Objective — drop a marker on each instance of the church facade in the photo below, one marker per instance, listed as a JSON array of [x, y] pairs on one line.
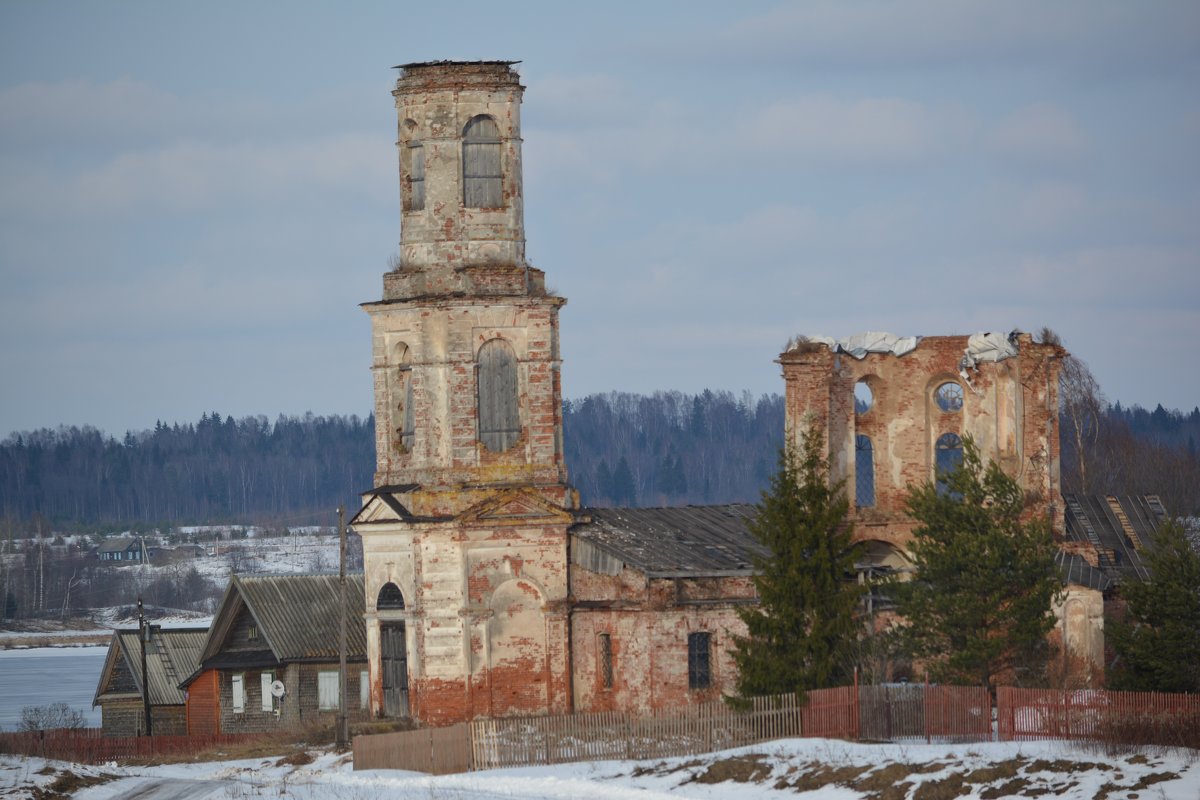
[[488, 590]]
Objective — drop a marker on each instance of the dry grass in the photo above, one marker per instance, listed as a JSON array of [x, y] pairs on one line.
[[67, 784]]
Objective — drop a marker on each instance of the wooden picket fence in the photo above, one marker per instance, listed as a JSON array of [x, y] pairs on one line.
[[899, 712], [1099, 716], [91, 746]]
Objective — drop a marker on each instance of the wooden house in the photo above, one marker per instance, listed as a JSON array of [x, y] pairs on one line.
[[278, 631], [171, 655]]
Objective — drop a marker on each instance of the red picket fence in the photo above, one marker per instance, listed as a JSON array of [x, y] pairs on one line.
[[90, 746], [1098, 715]]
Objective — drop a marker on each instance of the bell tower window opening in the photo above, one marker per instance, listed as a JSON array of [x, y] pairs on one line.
[[499, 417], [404, 420], [412, 169], [864, 472], [482, 177]]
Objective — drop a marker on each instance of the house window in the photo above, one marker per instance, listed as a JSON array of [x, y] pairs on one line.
[[699, 668], [949, 396], [364, 689], [481, 164], [606, 661], [864, 471], [327, 690], [949, 454], [238, 692], [252, 632], [268, 699], [499, 420]]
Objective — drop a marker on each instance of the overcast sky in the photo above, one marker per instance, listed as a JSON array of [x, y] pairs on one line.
[[195, 197]]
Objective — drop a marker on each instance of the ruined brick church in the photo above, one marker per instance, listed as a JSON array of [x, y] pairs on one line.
[[489, 591]]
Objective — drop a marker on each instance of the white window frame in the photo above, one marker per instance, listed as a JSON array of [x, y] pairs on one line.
[[327, 690], [238, 692]]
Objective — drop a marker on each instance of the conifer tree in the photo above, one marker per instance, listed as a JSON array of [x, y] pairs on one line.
[[1158, 645], [799, 633], [978, 605]]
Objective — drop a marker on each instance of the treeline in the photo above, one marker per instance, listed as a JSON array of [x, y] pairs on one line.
[[217, 470], [668, 448], [671, 448]]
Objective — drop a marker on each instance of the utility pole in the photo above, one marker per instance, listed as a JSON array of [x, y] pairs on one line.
[[343, 734], [143, 632]]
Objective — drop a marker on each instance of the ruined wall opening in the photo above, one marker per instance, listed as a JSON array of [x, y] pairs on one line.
[[948, 455], [864, 397], [949, 397]]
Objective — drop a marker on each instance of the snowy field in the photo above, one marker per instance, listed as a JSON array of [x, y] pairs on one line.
[[817, 769]]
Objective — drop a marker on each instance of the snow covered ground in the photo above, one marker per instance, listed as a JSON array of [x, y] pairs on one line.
[[817, 769]]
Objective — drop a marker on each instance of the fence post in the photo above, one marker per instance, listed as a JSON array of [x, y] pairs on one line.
[[856, 722]]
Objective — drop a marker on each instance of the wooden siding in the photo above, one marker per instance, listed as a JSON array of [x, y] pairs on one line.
[[203, 705]]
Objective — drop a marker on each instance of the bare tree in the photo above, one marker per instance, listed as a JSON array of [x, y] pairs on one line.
[[50, 717], [1082, 406]]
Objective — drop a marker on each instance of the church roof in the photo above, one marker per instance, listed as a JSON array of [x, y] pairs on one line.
[[1118, 527], [686, 541]]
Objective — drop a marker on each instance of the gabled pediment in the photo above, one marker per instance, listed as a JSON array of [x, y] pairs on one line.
[[516, 507], [382, 508]]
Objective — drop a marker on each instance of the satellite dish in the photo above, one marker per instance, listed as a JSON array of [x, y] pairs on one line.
[[277, 689]]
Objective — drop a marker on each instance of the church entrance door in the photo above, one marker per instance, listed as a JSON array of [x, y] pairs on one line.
[[395, 669]]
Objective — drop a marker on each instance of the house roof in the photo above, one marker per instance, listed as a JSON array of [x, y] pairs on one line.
[[172, 655], [117, 544], [687, 541], [1118, 527], [297, 616]]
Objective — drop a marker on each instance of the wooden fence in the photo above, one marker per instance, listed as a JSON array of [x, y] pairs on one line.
[[91, 746], [1098, 715], [958, 713]]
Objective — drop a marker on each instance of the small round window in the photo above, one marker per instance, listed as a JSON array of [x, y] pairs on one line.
[[949, 396], [864, 398]]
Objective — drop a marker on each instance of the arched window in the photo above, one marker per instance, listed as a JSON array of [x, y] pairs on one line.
[[499, 419], [481, 164], [403, 399], [864, 472], [412, 165], [390, 598], [949, 454]]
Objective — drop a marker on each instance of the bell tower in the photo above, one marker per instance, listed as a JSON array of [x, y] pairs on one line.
[[464, 534]]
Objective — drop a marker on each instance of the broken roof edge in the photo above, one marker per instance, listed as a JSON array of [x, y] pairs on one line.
[[450, 62], [983, 346]]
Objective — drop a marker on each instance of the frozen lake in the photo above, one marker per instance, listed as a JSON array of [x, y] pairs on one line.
[[43, 675]]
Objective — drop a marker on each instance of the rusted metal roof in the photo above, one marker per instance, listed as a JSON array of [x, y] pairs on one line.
[[668, 542], [1119, 527], [297, 615], [171, 655], [1075, 569]]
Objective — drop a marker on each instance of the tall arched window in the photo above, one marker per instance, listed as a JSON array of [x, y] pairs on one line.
[[481, 164], [403, 399], [864, 471], [948, 455], [499, 417], [390, 598]]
